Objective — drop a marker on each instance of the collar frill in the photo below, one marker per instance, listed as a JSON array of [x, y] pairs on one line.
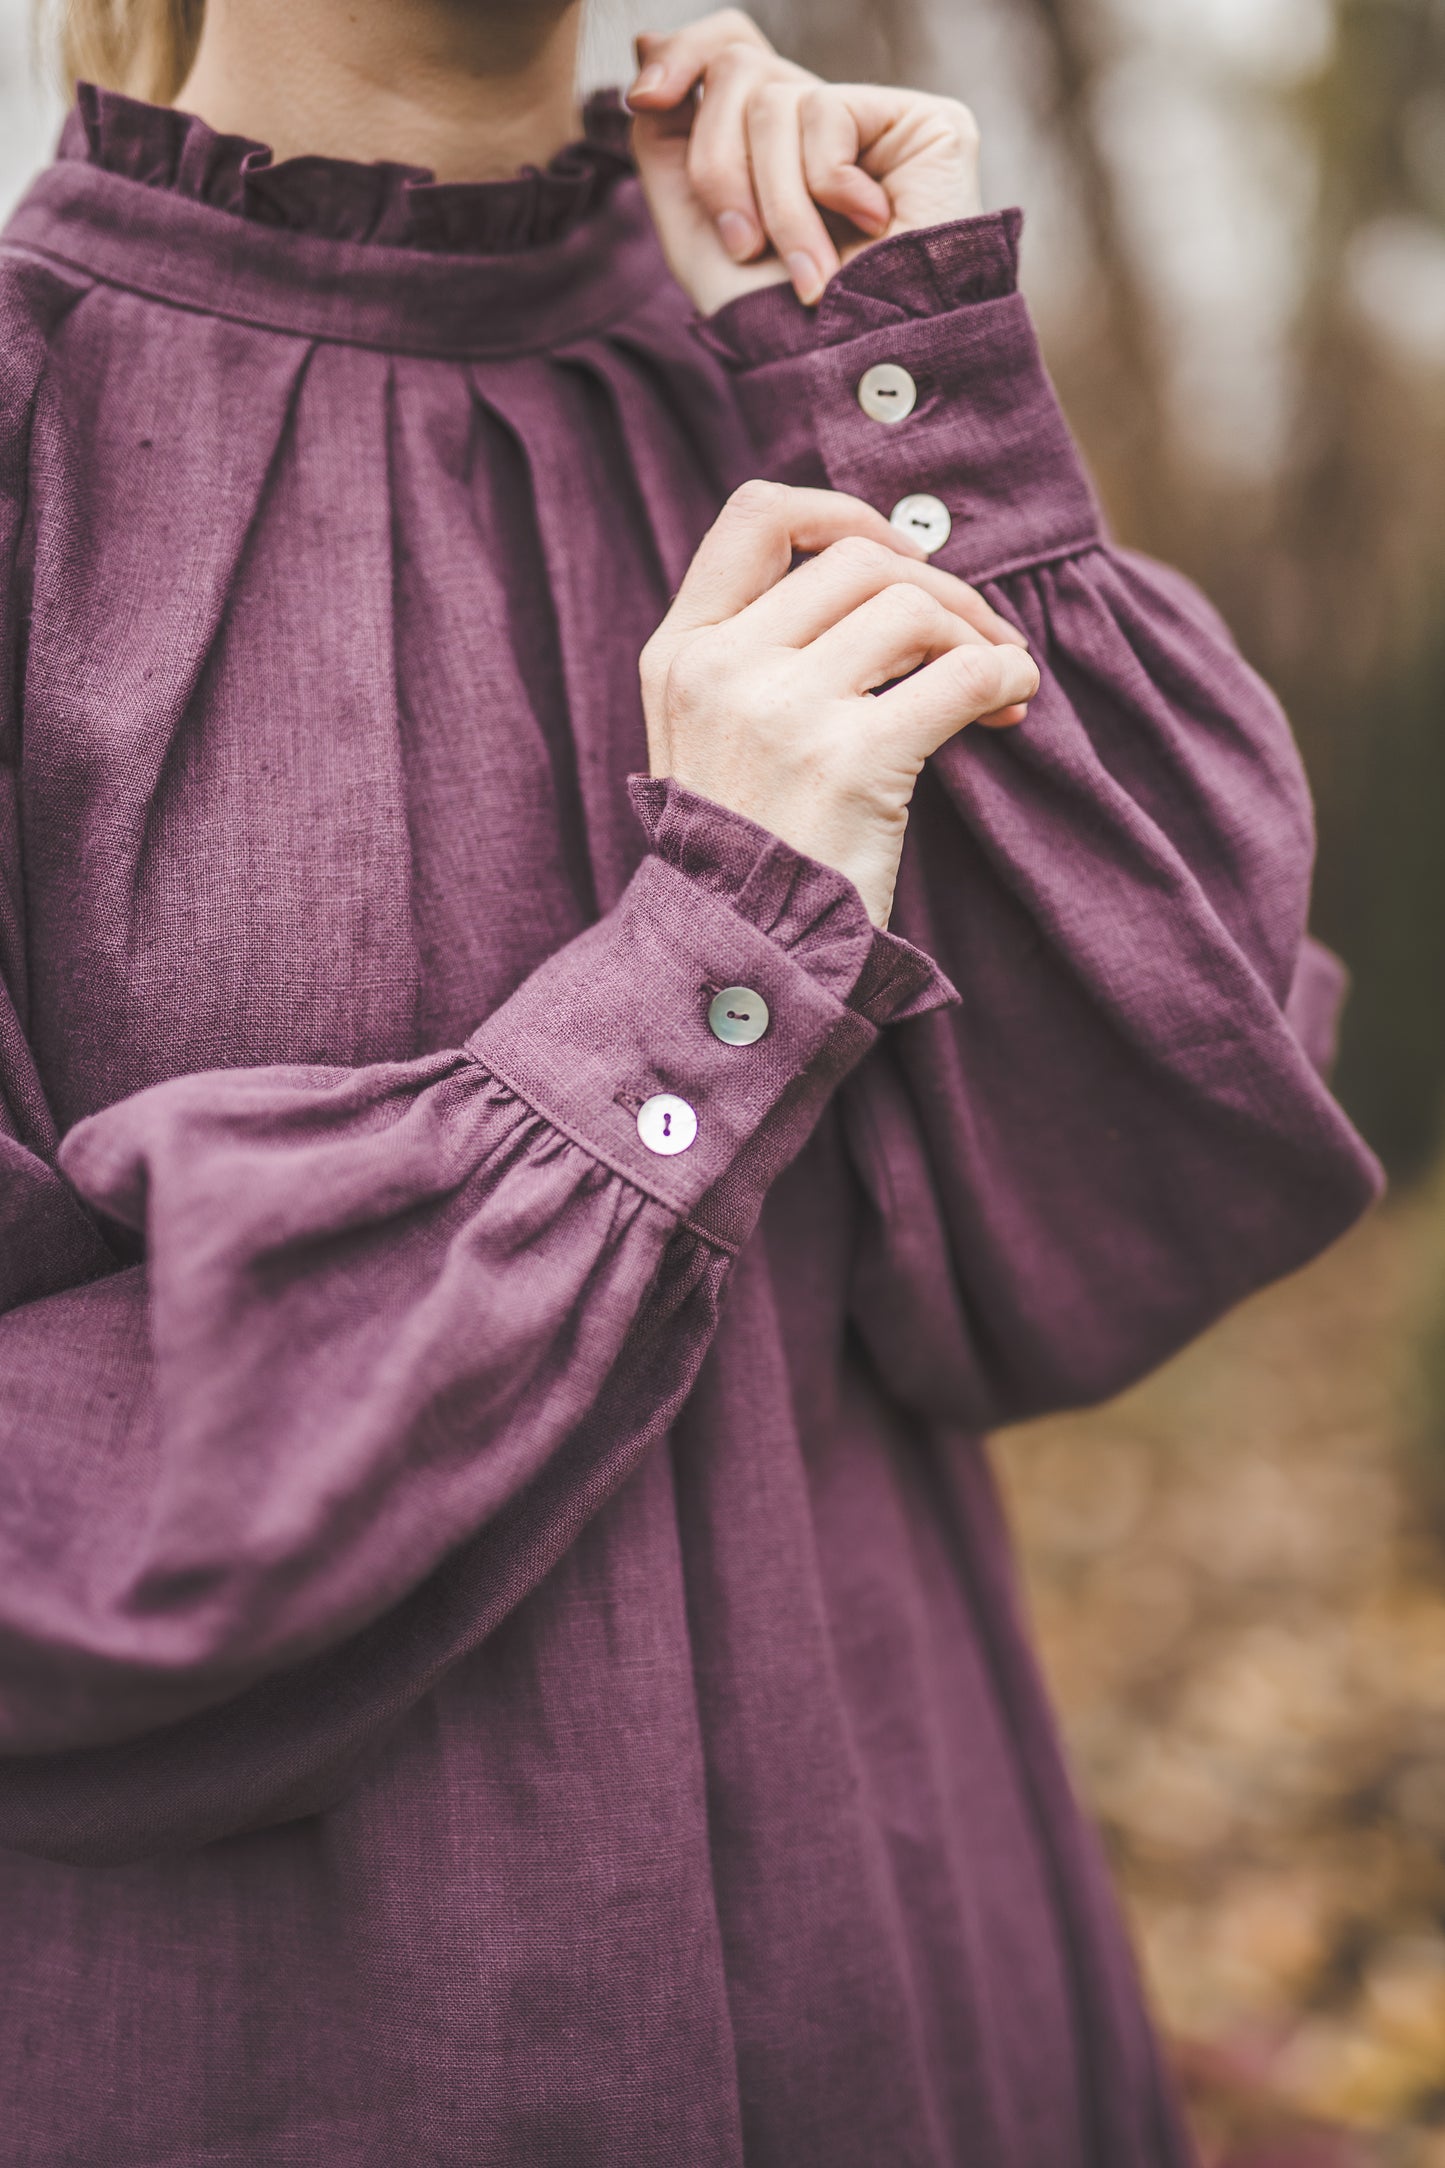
[[341, 199]]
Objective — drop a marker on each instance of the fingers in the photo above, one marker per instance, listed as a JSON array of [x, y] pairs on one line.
[[671, 64], [751, 545], [717, 158], [890, 634], [831, 143], [971, 683], [792, 219], [820, 593], [769, 144]]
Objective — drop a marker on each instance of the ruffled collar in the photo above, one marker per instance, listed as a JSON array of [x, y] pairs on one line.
[[340, 199]]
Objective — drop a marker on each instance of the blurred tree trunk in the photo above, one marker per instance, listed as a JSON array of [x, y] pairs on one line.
[[1356, 637], [1111, 379], [858, 41]]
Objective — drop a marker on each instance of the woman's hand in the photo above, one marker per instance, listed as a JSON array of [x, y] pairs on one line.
[[758, 172], [757, 684]]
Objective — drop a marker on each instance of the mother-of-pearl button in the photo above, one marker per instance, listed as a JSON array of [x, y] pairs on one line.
[[738, 1016], [886, 392], [926, 518], [666, 1123]]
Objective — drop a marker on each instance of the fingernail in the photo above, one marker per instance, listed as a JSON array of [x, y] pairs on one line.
[[739, 234], [804, 274], [651, 79]]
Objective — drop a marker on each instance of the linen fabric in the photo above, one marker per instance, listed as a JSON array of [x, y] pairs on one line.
[[508, 1650]]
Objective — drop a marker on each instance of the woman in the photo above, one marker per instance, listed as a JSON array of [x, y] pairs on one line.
[[508, 1647]]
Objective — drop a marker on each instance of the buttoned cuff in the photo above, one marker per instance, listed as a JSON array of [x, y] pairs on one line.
[[921, 274], [620, 1015], [985, 435]]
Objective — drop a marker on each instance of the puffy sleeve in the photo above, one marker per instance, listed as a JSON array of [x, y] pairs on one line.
[[1122, 1128], [285, 1350]]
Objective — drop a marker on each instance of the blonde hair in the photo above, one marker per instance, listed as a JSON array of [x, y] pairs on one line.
[[143, 47]]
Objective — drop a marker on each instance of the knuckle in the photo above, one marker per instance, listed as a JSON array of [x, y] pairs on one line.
[[757, 500], [774, 99], [978, 674], [733, 61], [689, 674], [712, 173], [653, 662], [963, 121], [859, 553], [913, 614]]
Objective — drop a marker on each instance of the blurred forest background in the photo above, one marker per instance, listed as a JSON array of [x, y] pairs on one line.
[[1236, 253]]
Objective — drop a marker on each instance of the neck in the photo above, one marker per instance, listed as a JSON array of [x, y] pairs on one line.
[[471, 89]]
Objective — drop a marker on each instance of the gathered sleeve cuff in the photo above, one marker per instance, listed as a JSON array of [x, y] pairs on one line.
[[392, 1335], [621, 1015], [985, 436]]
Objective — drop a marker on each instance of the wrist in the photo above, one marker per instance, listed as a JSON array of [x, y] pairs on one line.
[[803, 902], [817, 827]]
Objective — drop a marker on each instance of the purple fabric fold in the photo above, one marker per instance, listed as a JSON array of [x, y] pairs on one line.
[[810, 909]]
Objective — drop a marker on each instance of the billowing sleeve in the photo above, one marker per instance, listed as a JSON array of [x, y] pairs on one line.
[[1123, 1127], [278, 1344]]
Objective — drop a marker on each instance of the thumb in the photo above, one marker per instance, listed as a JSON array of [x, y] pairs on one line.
[[973, 683], [659, 144], [690, 239]]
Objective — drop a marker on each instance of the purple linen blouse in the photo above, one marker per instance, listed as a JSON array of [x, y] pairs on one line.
[[508, 1652]]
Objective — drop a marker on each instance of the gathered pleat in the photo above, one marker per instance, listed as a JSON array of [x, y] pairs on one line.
[[605, 581], [490, 774]]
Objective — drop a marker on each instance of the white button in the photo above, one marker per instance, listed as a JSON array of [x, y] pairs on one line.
[[738, 1016], [925, 518], [666, 1123], [887, 393]]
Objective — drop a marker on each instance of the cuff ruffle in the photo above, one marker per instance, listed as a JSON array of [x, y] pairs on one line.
[[809, 909], [925, 273]]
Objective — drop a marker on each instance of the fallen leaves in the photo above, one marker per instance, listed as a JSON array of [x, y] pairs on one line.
[[1238, 1578]]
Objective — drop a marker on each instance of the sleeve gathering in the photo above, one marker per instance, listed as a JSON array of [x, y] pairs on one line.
[[1122, 1127], [381, 1322]]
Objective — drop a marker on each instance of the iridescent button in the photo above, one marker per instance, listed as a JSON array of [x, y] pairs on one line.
[[666, 1124], [926, 518], [738, 1016], [886, 392]]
